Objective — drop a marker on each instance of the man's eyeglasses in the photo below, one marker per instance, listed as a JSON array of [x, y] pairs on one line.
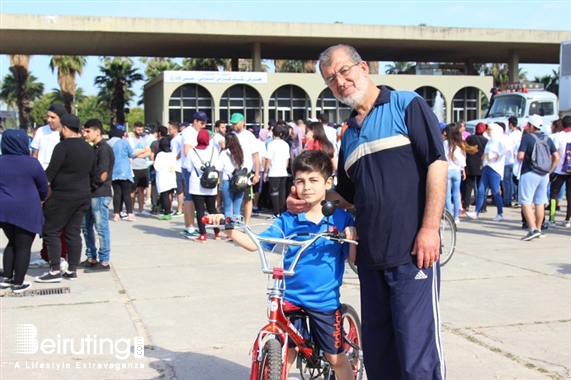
[[343, 72]]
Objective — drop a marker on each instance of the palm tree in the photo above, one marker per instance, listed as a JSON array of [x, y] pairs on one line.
[[308, 66], [205, 64], [156, 66], [550, 81], [115, 85], [59, 97], [19, 67], [67, 67], [34, 90], [399, 67]]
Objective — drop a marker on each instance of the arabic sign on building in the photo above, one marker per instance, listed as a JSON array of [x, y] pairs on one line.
[[214, 77]]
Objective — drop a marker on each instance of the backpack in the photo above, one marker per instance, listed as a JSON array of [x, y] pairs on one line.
[[566, 167], [540, 155], [240, 180], [210, 176]]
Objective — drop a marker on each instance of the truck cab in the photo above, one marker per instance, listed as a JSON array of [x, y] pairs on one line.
[[521, 101]]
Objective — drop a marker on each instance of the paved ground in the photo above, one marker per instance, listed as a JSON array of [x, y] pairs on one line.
[[506, 308]]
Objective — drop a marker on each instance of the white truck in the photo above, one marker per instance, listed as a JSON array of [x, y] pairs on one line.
[[565, 79], [521, 100]]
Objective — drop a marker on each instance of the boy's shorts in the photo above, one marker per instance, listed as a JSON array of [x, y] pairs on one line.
[[326, 327], [533, 189]]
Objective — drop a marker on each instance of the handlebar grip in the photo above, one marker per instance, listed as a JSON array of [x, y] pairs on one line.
[[341, 235], [206, 221]]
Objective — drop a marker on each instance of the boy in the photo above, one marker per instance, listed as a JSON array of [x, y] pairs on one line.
[[319, 272]]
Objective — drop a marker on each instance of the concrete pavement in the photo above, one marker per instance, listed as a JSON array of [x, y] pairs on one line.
[[505, 308]]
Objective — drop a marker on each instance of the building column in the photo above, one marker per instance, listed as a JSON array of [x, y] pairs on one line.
[[513, 66], [256, 57], [468, 66], [235, 63]]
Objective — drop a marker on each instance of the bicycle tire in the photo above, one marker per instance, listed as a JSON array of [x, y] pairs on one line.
[[353, 267], [447, 237], [352, 339], [271, 367]]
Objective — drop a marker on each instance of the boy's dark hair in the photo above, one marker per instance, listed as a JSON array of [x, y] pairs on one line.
[[94, 124], [162, 130], [513, 121], [313, 161], [279, 131], [566, 122], [138, 124]]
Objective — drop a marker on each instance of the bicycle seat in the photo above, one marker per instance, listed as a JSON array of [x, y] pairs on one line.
[[291, 310]]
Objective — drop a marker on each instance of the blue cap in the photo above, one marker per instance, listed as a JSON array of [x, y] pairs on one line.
[[442, 126], [120, 126], [200, 115]]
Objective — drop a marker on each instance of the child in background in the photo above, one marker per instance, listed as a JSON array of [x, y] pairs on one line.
[[164, 164]]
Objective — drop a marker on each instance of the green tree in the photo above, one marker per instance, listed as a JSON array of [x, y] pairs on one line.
[[135, 114], [9, 94], [550, 81], [68, 66], [156, 66], [115, 85], [205, 64], [288, 66], [91, 108], [401, 67], [20, 69], [59, 96]]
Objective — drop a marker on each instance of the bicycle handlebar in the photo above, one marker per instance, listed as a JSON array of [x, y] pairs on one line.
[[228, 223]]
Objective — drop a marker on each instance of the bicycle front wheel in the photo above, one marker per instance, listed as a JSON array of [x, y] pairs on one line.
[[447, 237], [271, 363], [352, 339]]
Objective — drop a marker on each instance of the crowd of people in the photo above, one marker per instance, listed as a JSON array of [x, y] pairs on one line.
[[394, 167]]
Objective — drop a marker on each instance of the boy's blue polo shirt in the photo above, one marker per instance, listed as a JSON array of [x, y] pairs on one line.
[[319, 272]]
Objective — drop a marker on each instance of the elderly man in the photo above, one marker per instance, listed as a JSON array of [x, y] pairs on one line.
[[392, 168]]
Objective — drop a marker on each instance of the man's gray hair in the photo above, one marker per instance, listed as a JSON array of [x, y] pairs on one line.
[[325, 57]]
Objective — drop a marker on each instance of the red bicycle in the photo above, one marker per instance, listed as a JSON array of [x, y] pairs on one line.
[[270, 349]]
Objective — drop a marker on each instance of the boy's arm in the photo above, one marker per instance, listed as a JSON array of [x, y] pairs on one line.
[[238, 237], [352, 253]]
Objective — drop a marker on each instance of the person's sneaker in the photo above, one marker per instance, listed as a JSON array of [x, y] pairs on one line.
[[201, 239], [227, 238], [524, 226], [148, 202], [271, 217], [255, 211], [531, 235], [541, 234], [49, 277], [98, 268], [131, 218], [123, 215], [6, 283], [545, 226], [176, 214], [472, 215], [72, 276], [21, 288], [143, 213], [551, 224], [41, 263], [154, 212], [86, 264], [190, 234], [457, 220], [165, 217], [566, 224], [497, 218], [217, 236]]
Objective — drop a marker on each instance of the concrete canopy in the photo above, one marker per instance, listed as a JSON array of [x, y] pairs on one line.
[[113, 36]]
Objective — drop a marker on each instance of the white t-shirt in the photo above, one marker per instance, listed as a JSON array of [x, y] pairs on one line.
[[459, 161], [165, 166], [560, 140], [189, 136], [278, 154], [176, 148], [217, 139], [331, 134], [515, 138], [44, 142], [194, 163], [261, 154], [249, 147]]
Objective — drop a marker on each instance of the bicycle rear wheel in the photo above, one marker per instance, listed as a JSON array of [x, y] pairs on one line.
[[352, 339], [447, 237], [271, 364]]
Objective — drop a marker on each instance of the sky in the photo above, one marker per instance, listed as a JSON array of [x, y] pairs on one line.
[[508, 14]]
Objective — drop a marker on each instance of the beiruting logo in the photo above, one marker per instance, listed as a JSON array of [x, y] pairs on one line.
[[28, 344]]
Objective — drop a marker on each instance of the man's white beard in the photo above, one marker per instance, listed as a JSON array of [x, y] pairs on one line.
[[356, 99]]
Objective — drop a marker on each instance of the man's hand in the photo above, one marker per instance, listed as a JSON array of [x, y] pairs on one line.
[[215, 218], [426, 247], [351, 233], [255, 179], [294, 204]]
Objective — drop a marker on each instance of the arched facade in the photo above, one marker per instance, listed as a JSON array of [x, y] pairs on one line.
[[468, 104], [244, 99], [435, 100], [327, 103], [187, 99], [289, 102]]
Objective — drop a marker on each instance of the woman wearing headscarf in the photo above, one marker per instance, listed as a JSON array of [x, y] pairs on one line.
[[165, 163], [122, 178], [203, 198], [23, 188], [493, 171]]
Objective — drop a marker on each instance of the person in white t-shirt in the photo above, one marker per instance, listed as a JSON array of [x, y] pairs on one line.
[[330, 132], [176, 144], [165, 163], [47, 137], [562, 172], [219, 133], [251, 158], [189, 139], [275, 170]]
